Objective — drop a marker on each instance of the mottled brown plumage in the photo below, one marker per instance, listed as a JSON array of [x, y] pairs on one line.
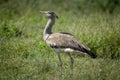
[[65, 41], [62, 41]]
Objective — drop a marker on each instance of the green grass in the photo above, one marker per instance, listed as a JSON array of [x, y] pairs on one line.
[[25, 56]]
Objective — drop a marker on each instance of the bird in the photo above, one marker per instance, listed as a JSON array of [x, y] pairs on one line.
[[62, 42]]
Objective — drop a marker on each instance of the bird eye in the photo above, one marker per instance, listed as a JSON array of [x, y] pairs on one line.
[[51, 12]]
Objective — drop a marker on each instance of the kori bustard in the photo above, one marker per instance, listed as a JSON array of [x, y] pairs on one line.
[[63, 42]]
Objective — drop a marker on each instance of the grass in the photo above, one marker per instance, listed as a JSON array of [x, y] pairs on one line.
[[25, 56]]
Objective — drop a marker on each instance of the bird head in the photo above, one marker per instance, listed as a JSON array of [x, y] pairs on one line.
[[49, 14]]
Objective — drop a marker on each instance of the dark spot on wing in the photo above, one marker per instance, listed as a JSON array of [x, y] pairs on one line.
[[65, 33]]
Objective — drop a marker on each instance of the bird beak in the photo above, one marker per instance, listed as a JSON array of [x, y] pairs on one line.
[[42, 12], [45, 12]]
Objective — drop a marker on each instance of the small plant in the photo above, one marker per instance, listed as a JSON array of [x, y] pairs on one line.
[[9, 30]]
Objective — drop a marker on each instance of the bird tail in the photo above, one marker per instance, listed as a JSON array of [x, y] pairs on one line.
[[91, 54]]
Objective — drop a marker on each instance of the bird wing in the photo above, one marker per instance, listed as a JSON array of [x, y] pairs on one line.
[[61, 40]]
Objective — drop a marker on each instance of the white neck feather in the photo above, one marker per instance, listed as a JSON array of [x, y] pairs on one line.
[[48, 28]]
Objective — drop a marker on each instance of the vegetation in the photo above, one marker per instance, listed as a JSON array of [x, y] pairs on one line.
[[25, 56]]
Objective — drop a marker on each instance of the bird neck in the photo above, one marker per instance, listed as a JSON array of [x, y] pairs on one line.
[[48, 28]]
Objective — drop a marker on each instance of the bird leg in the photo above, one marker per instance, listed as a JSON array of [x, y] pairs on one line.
[[71, 61], [60, 61]]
